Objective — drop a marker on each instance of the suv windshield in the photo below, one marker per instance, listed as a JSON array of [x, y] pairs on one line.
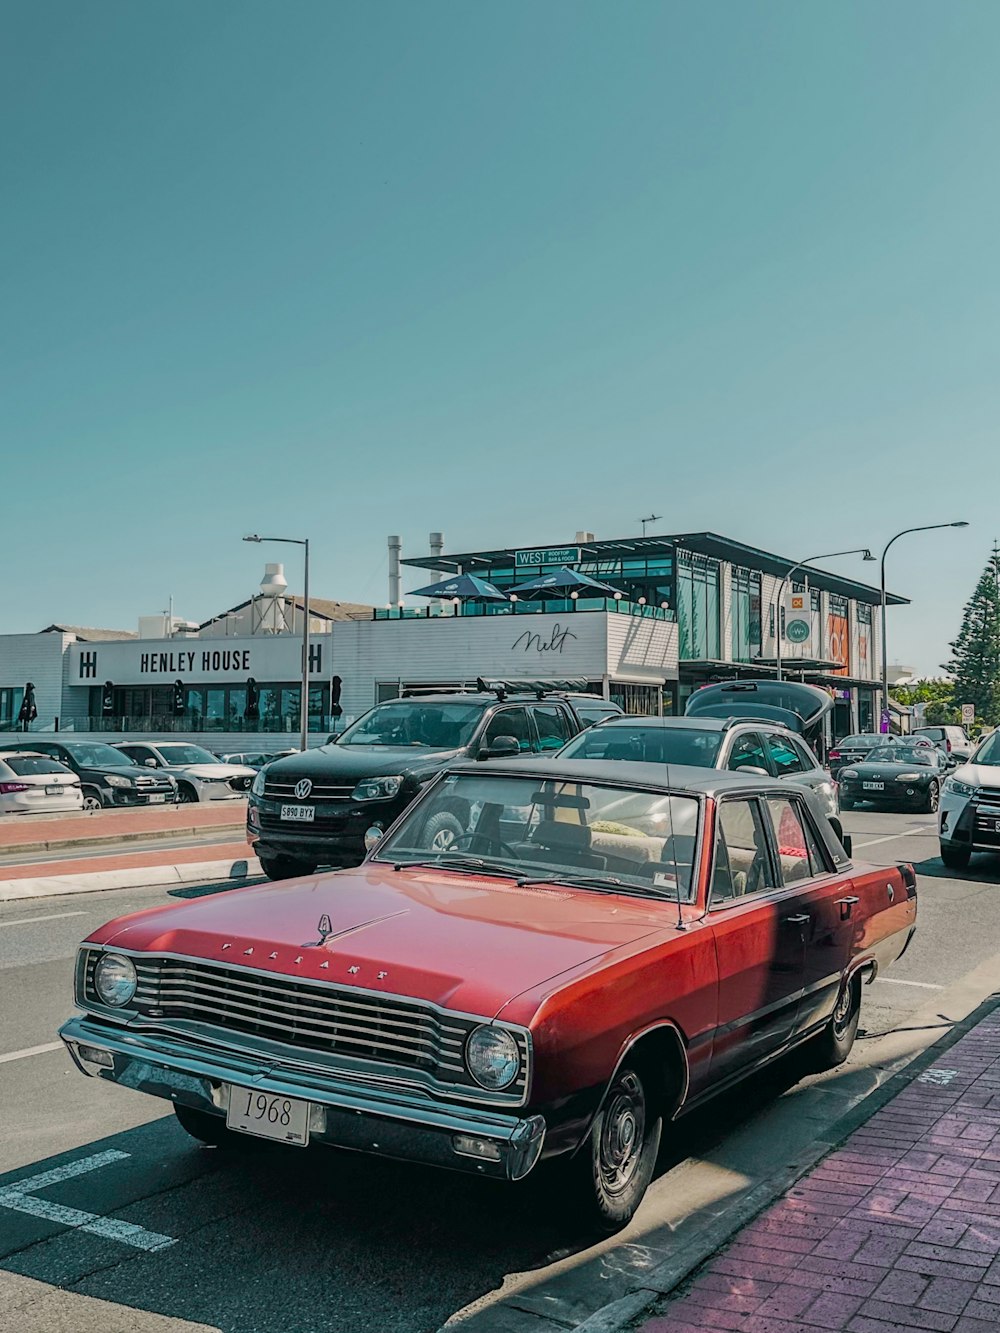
[[96, 755], [613, 838], [649, 745], [434, 726], [989, 751], [187, 754]]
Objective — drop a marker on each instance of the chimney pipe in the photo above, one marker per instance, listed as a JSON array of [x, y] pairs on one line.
[[395, 547]]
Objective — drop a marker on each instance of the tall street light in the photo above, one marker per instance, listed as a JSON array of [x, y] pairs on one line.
[[863, 551], [927, 527], [304, 703]]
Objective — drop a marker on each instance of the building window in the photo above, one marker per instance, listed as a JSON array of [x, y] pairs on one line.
[[746, 623], [698, 607]]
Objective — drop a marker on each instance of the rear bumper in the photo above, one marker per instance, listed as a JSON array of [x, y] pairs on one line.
[[358, 1116]]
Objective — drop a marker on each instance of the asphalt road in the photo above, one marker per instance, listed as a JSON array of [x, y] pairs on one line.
[[281, 1241]]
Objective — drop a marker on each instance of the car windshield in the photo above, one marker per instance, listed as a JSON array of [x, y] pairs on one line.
[[924, 755], [32, 764], [96, 755], [648, 744], [611, 838], [175, 755], [433, 726], [989, 751]]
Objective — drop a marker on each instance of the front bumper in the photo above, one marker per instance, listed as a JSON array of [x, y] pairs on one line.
[[965, 821], [118, 796], [895, 793], [364, 1117], [335, 836]]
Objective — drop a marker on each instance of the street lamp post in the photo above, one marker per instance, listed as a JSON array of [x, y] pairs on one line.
[[304, 702], [927, 527], [863, 551]]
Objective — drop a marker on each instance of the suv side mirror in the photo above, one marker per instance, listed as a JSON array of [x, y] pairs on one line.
[[757, 772], [502, 747], [150, 763]]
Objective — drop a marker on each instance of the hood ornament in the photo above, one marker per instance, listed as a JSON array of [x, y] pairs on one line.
[[325, 929]]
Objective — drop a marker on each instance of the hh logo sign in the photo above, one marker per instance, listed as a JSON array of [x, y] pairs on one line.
[[555, 642], [88, 666]]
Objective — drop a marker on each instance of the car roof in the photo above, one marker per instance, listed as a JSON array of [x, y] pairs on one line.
[[623, 772], [26, 754], [696, 723]]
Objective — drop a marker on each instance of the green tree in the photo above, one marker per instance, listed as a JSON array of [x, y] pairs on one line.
[[975, 662], [934, 691]]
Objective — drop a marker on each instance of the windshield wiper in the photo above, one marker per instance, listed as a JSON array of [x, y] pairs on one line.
[[456, 861], [600, 883]]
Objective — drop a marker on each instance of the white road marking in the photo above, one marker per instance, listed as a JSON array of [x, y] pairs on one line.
[[21, 1198], [31, 1050], [898, 981], [30, 920], [891, 837]]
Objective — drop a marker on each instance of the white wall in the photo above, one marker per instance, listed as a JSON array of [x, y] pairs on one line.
[[38, 658]]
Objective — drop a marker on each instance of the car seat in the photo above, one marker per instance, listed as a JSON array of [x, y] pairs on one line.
[[565, 844]]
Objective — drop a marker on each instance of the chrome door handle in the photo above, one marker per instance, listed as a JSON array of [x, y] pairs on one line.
[[796, 920], [850, 901]]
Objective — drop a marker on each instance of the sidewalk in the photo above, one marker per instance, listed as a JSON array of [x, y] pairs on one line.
[[896, 1231]]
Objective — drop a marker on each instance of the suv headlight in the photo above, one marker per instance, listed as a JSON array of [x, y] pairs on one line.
[[257, 786], [115, 979], [376, 789], [958, 788], [115, 781], [492, 1058]]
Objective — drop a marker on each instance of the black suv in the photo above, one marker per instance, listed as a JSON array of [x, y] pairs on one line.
[[314, 808], [107, 777]]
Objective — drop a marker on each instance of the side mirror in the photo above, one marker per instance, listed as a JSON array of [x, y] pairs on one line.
[[757, 772], [373, 836], [150, 763], [501, 748]]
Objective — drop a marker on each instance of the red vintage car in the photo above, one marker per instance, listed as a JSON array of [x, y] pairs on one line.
[[603, 948]]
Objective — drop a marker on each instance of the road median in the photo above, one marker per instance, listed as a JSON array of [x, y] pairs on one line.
[[43, 833], [94, 874]]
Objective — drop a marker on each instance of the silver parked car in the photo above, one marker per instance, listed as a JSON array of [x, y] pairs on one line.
[[34, 784], [199, 774], [741, 745]]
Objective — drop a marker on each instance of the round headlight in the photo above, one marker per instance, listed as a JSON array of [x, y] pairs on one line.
[[114, 979], [492, 1058]]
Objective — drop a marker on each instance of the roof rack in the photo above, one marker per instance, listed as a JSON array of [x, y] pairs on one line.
[[748, 717]]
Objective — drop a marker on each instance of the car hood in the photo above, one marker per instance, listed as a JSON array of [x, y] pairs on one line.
[[331, 762], [977, 775], [890, 768], [464, 942]]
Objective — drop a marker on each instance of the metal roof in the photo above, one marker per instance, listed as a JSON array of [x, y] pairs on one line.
[[701, 543]]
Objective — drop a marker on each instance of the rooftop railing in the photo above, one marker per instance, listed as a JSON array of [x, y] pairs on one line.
[[560, 606]]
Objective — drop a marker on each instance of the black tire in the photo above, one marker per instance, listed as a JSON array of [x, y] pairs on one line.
[[205, 1128], [610, 1173], [955, 856], [441, 830], [285, 867], [931, 801], [92, 799], [833, 1045], [186, 794]]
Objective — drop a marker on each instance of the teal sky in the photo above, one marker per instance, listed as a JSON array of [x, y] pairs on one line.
[[505, 270]]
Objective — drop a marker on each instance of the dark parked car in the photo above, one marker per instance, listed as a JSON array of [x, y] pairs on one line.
[[315, 807], [896, 777], [852, 749], [108, 777]]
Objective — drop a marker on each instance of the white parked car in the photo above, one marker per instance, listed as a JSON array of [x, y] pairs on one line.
[[199, 774], [969, 813], [34, 784]]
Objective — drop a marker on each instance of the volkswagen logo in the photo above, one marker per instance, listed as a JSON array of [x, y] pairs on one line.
[[303, 787]]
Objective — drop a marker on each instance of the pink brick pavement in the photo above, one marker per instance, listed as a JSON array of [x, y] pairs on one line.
[[897, 1231]]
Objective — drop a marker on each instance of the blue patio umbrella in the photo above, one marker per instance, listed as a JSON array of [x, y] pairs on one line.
[[562, 583], [466, 587]]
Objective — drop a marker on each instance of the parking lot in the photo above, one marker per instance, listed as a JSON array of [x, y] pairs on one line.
[[111, 1217]]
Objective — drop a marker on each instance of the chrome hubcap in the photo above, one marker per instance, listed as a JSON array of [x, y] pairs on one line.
[[442, 840], [622, 1132], [843, 1010]]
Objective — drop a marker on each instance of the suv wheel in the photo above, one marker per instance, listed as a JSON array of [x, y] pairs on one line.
[[186, 794], [284, 867], [92, 799], [955, 856], [441, 830]]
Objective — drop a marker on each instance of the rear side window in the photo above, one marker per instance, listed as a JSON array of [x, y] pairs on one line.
[[783, 754], [747, 752], [798, 850], [552, 726], [26, 767]]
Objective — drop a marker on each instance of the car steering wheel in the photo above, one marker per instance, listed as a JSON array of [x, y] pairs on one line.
[[469, 838]]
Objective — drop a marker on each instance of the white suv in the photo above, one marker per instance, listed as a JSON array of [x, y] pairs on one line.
[[969, 814]]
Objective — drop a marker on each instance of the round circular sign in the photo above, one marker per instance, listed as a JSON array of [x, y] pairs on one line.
[[797, 631]]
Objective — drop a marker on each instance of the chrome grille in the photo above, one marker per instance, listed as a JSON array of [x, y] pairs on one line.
[[283, 789], [385, 1031]]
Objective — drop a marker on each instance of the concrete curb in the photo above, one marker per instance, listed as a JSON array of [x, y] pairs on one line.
[[622, 1314], [56, 886]]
